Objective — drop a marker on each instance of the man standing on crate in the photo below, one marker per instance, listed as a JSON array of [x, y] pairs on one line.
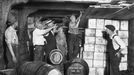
[[73, 40], [114, 47]]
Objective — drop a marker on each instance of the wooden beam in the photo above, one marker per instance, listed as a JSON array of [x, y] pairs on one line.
[[54, 13], [122, 12], [83, 20], [48, 15], [101, 12], [19, 1], [23, 35], [131, 46], [115, 1], [57, 5], [126, 14], [129, 16], [77, 1]]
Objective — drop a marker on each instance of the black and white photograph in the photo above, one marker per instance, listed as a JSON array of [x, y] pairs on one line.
[[66, 37]]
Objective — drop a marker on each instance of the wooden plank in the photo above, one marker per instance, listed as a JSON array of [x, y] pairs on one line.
[[82, 1], [57, 5], [23, 35], [131, 45], [84, 20], [101, 12], [128, 14], [19, 1], [54, 13], [3, 14], [120, 14]]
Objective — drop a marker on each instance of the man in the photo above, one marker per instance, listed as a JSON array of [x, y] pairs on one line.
[[51, 40], [114, 46], [11, 39], [38, 39], [73, 37]]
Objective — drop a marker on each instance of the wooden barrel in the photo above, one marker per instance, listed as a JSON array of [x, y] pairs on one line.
[[38, 68], [78, 67], [56, 56], [48, 70]]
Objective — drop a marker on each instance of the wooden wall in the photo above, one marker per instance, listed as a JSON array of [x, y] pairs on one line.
[[5, 6], [131, 46]]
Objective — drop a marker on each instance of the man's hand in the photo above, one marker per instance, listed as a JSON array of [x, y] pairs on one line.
[[81, 12], [14, 59], [117, 54], [44, 53], [55, 26]]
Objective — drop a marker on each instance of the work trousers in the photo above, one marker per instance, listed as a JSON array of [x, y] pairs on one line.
[[113, 59], [73, 46], [38, 52], [10, 63], [114, 66]]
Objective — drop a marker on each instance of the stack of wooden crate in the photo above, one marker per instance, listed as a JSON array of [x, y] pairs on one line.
[[95, 44]]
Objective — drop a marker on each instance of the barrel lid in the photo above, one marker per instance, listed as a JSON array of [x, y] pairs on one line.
[[79, 63], [56, 56]]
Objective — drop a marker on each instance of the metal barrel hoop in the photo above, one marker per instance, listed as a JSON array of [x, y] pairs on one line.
[[56, 56], [78, 67]]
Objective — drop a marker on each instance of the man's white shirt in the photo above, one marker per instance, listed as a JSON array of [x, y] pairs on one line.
[[38, 38], [11, 35], [117, 42]]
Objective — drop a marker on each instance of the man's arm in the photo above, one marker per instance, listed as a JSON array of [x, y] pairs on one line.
[[45, 31], [120, 42], [11, 51], [122, 45], [55, 29], [78, 20], [79, 16]]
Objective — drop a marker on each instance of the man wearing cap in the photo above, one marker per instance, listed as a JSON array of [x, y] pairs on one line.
[[38, 39], [11, 40], [51, 40], [114, 47]]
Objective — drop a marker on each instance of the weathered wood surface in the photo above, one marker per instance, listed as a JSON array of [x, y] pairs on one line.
[[70, 6], [23, 34], [131, 46]]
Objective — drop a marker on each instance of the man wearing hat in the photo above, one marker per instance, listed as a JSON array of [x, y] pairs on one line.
[[38, 39], [114, 47], [51, 40]]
